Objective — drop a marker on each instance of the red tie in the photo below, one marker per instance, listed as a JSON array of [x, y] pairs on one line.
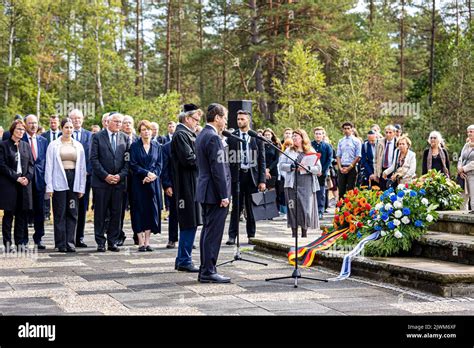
[[33, 148]]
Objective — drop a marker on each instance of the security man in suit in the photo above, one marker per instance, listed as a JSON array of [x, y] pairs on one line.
[[213, 191], [249, 170], [368, 157], [85, 138], [110, 162], [38, 146]]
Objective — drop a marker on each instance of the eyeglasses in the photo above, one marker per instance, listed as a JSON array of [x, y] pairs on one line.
[[21, 129], [433, 138], [195, 119]]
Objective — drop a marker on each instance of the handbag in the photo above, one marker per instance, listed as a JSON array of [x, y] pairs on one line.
[[264, 205], [460, 181]]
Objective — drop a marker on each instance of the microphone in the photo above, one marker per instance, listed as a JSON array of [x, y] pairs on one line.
[[228, 134], [254, 134]]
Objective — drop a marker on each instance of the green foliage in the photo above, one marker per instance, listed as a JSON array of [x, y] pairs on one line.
[[301, 91]]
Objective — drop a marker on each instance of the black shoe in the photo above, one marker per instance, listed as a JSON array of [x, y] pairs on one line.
[[171, 245], [113, 248], [149, 248], [31, 225], [62, 250], [189, 268], [101, 248], [194, 247], [81, 244], [230, 241], [135, 239], [121, 241], [214, 278], [40, 246], [70, 250], [142, 248]]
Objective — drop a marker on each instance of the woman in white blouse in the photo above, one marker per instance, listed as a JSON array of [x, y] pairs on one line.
[[65, 178], [403, 167], [306, 201]]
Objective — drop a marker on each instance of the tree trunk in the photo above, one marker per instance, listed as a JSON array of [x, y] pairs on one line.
[[201, 47], [371, 14], [178, 44], [259, 86], [168, 48], [142, 39], [137, 48], [11, 41], [38, 94], [98, 72], [402, 44], [432, 49], [288, 20], [224, 44], [469, 8]]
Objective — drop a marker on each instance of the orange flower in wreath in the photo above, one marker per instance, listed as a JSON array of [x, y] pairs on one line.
[[352, 228], [349, 205], [349, 219], [341, 219], [362, 202], [356, 211]]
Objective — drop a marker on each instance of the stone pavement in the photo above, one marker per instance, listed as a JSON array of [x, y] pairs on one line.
[[133, 283]]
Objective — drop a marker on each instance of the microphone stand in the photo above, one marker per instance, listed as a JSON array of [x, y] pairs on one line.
[[296, 272], [238, 255]]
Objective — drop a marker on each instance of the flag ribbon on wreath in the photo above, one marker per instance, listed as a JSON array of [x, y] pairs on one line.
[[322, 243]]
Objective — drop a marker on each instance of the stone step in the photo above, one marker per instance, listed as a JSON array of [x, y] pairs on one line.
[[457, 222], [457, 248], [443, 278]]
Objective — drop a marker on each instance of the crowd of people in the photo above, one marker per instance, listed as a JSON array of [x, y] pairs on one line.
[[184, 173]]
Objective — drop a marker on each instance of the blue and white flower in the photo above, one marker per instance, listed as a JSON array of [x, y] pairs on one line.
[[396, 222], [397, 205], [429, 217], [398, 234], [425, 201], [406, 220], [398, 214]]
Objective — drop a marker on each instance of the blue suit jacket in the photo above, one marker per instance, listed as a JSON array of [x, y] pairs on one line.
[[40, 163], [86, 141], [367, 160], [214, 180], [326, 155]]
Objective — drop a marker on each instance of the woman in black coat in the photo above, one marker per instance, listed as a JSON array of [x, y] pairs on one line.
[[146, 164], [271, 158], [16, 175]]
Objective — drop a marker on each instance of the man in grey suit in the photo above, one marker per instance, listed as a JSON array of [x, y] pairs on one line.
[[110, 162], [213, 191]]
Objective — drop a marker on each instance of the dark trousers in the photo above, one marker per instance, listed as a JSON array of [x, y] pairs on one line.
[[107, 199], [211, 236], [173, 221], [247, 187], [20, 232], [47, 209], [82, 212], [185, 248], [321, 194], [65, 212], [38, 213], [346, 182], [382, 181]]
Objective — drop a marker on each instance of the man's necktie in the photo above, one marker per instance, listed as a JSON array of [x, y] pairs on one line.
[[33, 150], [244, 149], [54, 135], [76, 136], [114, 144], [385, 161]]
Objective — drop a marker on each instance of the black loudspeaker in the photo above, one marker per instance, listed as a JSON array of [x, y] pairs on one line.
[[234, 106]]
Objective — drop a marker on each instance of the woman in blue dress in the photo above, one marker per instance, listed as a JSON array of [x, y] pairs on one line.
[[146, 165]]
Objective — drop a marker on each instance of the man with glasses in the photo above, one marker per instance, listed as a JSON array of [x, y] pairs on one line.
[[110, 162], [38, 146], [347, 155], [384, 155], [181, 187]]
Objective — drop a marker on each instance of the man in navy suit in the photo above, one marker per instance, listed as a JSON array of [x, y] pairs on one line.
[[54, 131], [109, 156], [38, 146], [213, 191], [367, 157], [85, 138], [171, 130], [325, 150]]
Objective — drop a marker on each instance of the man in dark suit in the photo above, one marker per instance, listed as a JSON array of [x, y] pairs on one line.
[[109, 156], [54, 131], [213, 191], [85, 138], [38, 146], [171, 130], [325, 150], [168, 187], [249, 170], [367, 157]]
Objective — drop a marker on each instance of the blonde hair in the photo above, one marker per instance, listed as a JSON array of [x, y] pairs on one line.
[[407, 139], [306, 144], [288, 143]]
